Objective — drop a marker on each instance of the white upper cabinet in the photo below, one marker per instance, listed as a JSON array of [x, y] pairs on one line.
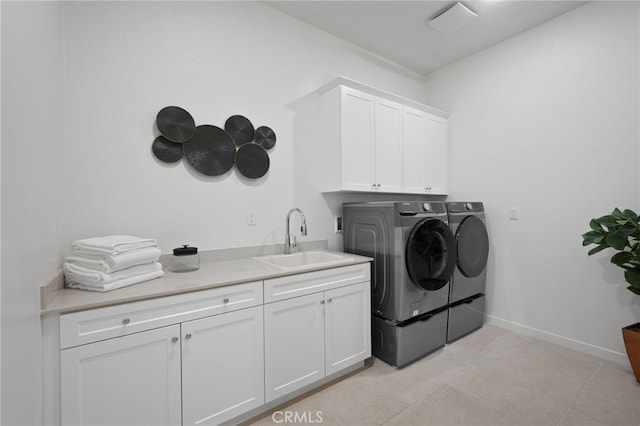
[[425, 152], [361, 139], [371, 142], [388, 146], [358, 149]]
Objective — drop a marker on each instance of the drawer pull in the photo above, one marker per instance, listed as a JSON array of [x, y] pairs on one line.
[[187, 336], [225, 300], [126, 321], [174, 340]]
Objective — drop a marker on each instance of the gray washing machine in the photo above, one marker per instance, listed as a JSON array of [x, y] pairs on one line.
[[414, 257], [466, 293]]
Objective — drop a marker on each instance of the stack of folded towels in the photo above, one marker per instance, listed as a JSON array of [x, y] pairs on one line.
[[111, 262]]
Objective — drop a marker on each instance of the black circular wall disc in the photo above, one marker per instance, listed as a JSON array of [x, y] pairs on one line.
[[165, 150], [211, 151], [252, 160], [240, 129], [175, 124], [265, 137]]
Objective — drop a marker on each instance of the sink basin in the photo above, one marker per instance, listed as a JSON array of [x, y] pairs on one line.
[[303, 259]]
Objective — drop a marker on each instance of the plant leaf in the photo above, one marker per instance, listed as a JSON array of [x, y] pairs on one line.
[[634, 290], [622, 257], [632, 277], [608, 221], [631, 215], [617, 240], [592, 237], [597, 249], [595, 225]]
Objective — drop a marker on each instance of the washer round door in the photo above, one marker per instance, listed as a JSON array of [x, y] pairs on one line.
[[430, 255], [472, 246]]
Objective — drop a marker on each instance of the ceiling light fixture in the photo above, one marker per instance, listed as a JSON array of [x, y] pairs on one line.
[[452, 18]]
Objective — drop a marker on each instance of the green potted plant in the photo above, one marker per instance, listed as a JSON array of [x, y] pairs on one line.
[[620, 231]]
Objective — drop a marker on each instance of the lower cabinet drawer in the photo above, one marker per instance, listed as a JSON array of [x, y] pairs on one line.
[[79, 328], [313, 282]]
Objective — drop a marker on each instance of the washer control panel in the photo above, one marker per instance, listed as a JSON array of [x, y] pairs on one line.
[[410, 208]]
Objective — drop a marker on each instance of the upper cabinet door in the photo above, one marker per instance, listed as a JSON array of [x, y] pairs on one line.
[[425, 152], [357, 137], [388, 146], [436, 154], [415, 150]]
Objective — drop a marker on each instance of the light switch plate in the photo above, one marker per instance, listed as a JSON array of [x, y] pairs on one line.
[[251, 217], [513, 213]]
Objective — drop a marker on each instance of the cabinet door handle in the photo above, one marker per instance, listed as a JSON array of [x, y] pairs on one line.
[[174, 340], [225, 300], [126, 321], [187, 336], [329, 300], [322, 302]]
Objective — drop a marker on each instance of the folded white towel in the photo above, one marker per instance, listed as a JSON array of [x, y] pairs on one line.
[[112, 244], [116, 262], [117, 284], [92, 277]]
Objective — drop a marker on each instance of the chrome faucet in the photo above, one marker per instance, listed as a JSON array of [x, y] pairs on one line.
[[289, 246]]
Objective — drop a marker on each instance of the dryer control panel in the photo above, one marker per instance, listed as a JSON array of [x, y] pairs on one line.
[[458, 207]]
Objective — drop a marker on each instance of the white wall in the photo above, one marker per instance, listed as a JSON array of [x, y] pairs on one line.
[[547, 121], [127, 60], [82, 84], [32, 187]]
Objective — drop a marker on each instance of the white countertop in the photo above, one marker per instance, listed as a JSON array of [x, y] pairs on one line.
[[212, 273]]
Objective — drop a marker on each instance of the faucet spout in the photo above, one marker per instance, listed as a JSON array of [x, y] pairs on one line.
[[290, 245]]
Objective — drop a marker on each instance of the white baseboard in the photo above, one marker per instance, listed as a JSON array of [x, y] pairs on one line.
[[619, 358]]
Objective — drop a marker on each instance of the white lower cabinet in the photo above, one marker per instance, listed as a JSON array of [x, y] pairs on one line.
[[131, 380], [222, 366], [347, 324], [313, 336], [294, 350], [226, 354]]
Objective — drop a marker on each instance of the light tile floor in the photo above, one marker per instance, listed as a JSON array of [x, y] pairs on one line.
[[490, 377]]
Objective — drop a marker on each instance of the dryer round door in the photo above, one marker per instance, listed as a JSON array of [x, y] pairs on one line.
[[430, 255], [472, 243]]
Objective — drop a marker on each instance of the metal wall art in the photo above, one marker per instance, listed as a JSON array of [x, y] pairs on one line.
[[211, 150]]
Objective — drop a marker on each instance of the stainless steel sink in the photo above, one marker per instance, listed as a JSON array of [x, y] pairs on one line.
[[304, 259]]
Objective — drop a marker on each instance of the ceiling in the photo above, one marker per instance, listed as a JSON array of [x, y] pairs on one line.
[[397, 30]]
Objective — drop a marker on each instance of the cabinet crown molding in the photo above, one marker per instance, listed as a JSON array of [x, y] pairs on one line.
[[345, 81]]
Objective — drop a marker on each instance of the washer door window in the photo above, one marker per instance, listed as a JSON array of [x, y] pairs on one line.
[[472, 246], [430, 254]]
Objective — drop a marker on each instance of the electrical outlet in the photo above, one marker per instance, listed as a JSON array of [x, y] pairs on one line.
[[251, 217]]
